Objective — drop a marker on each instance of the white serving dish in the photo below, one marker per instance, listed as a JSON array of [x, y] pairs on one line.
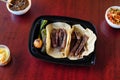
[[108, 21], [21, 12]]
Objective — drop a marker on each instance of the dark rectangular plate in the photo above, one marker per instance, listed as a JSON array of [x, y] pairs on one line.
[[87, 60]]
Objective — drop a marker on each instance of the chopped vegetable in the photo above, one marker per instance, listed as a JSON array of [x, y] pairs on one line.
[[114, 16], [43, 24]]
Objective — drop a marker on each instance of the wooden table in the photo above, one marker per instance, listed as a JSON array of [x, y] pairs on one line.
[[14, 32]]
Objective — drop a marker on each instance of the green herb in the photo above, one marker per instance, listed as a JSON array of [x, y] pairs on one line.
[[43, 24], [43, 34]]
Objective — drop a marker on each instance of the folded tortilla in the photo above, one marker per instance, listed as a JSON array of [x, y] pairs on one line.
[[89, 46], [56, 52]]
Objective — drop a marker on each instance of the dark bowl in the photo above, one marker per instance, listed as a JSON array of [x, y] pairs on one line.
[[85, 61]]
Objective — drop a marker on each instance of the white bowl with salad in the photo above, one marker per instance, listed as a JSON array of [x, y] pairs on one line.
[[112, 16]]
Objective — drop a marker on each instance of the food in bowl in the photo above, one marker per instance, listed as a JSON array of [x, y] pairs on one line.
[[4, 55], [112, 16], [19, 7], [66, 41]]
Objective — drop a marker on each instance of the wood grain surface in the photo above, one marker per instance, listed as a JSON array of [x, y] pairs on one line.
[[14, 32]]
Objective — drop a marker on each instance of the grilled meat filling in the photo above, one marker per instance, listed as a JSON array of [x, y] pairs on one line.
[[77, 43], [72, 52], [64, 39], [61, 34], [82, 44], [58, 38], [54, 38], [73, 40]]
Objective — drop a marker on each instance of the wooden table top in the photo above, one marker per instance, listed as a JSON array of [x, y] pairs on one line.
[[14, 32]]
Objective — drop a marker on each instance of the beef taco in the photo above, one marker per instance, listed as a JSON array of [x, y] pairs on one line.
[[82, 42], [58, 39]]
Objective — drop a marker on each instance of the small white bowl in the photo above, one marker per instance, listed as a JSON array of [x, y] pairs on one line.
[[20, 12], [108, 21], [4, 55]]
